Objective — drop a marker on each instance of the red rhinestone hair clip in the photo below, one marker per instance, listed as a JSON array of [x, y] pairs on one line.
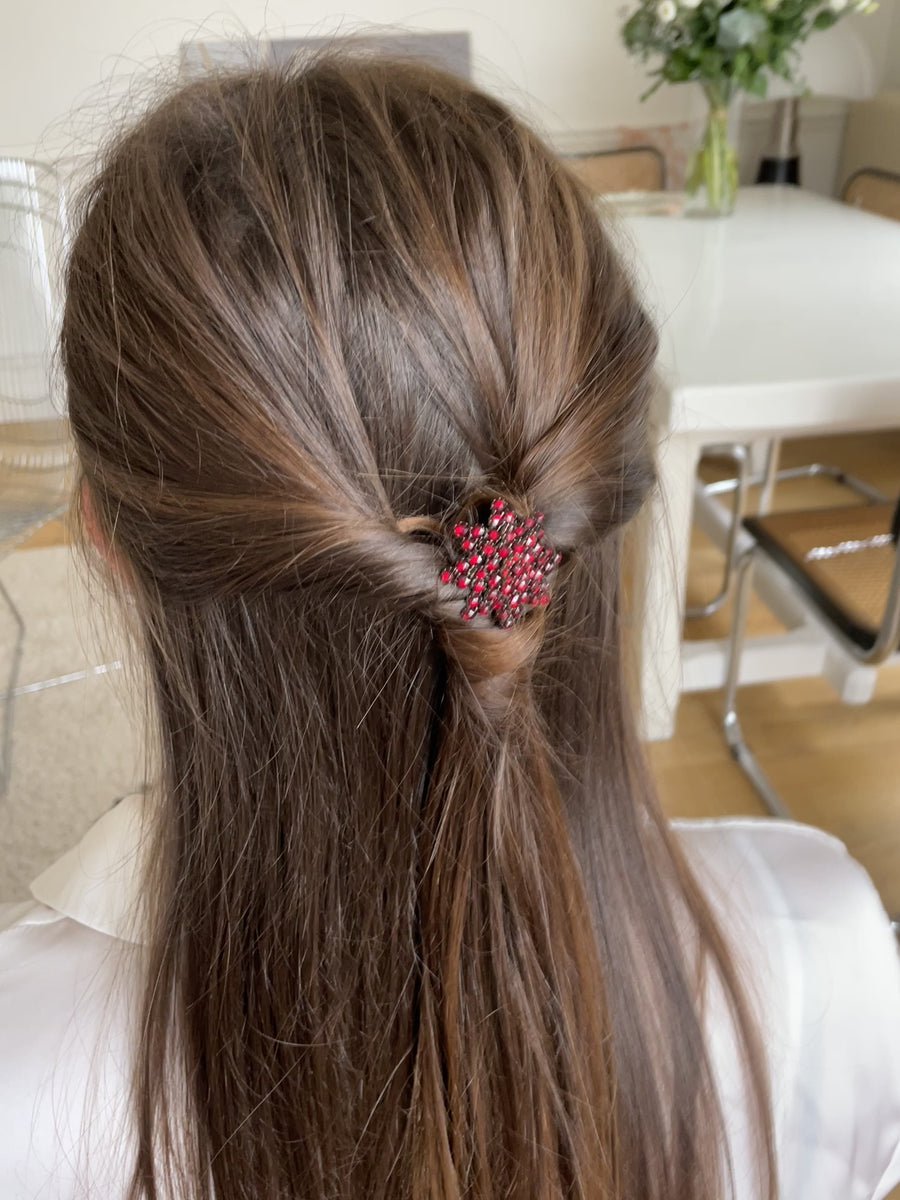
[[503, 564]]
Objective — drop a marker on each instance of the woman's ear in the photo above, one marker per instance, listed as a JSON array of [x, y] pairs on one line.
[[97, 537]]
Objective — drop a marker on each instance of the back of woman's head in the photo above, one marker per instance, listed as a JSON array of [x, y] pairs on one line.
[[417, 918]]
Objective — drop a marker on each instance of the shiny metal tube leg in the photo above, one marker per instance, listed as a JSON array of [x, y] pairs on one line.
[[874, 495], [740, 751], [740, 455]]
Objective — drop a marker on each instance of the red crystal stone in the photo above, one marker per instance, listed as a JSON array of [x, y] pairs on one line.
[[503, 567]]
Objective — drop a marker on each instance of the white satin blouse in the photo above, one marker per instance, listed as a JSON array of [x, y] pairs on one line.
[[804, 917]]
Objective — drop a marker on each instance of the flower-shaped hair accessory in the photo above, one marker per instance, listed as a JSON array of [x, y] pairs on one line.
[[503, 564]]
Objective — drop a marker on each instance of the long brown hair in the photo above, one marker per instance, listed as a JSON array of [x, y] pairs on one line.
[[420, 931]]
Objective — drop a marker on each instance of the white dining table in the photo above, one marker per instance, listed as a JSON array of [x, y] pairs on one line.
[[782, 319]]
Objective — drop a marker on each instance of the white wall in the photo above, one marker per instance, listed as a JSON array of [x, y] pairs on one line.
[[63, 62], [892, 52], [563, 53]]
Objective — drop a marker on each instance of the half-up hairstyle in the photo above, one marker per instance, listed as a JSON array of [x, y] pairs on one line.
[[419, 929]]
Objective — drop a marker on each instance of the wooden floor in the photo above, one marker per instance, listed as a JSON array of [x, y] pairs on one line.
[[54, 533]]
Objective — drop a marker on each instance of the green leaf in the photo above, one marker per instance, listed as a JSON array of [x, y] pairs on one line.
[[650, 90], [741, 65], [637, 30], [712, 62], [825, 20], [680, 67]]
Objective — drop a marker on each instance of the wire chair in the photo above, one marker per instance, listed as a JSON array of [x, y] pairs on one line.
[[35, 447]]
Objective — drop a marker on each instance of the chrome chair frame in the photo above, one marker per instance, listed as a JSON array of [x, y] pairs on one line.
[[885, 644], [738, 486], [767, 479]]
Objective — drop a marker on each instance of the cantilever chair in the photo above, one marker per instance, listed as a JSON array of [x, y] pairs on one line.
[[844, 564], [741, 481], [633, 169], [35, 452], [875, 191]]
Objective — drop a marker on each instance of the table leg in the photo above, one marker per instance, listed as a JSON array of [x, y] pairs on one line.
[[660, 555], [770, 476]]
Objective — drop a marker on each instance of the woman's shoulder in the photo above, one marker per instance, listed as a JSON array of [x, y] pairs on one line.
[[64, 1052], [784, 862], [69, 975], [809, 929]]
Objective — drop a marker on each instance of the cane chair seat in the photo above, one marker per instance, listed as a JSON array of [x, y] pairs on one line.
[[634, 169], [842, 558], [875, 191]]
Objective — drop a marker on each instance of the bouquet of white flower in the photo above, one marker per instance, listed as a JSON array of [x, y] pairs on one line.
[[727, 46]]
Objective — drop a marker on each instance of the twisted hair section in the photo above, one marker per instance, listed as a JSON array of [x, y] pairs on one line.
[[418, 928]]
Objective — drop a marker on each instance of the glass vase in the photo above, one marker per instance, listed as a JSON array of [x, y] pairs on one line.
[[712, 177]]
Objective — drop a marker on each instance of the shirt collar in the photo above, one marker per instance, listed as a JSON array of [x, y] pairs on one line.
[[99, 882]]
